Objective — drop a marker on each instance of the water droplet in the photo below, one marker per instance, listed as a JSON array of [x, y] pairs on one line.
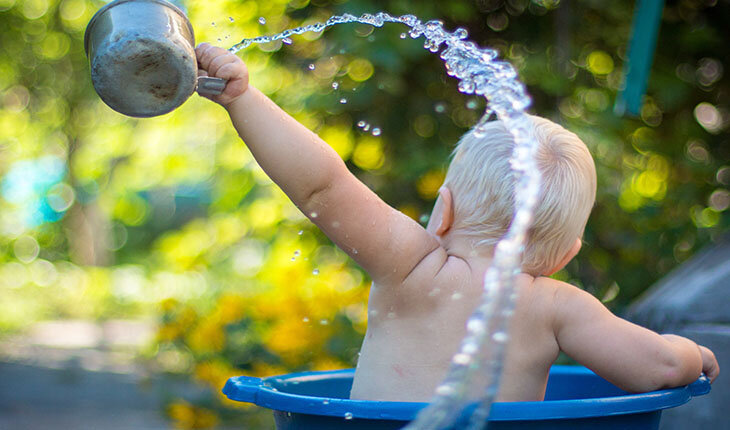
[[361, 124], [391, 315], [335, 85], [230, 18], [313, 215], [311, 66], [343, 100], [323, 322], [376, 131], [262, 20], [315, 272], [325, 402], [348, 415], [366, 127], [456, 296], [220, 40], [286, 41], [444, 390], [335, 224], [297, 252], [301, 232], [475, 325], [461, 358], [305, 319], [403, 35], [469, 348], [213, 23], [461, 33], [439, 108], [424, 218], [500, 337], [434, 292], [472, 104], [354, 251]]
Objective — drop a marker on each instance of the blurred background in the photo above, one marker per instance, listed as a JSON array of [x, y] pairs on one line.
[[143, 262]]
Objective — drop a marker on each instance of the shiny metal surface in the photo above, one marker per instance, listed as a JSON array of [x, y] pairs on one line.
[[142, 57]]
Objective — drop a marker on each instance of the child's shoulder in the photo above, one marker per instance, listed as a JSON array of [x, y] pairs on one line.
[[559, 288], [567, 303], [557, 295]]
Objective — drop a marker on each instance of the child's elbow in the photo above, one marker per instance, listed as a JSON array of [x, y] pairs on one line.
[[679, 370], [680, 363]]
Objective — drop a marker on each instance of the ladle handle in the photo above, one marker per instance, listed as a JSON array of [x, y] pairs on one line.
[[208, 86]]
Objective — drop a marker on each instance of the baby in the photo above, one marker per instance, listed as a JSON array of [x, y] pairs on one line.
[[426, 282]]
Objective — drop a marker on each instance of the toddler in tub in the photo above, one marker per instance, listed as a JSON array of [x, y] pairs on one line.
[[427, 281]]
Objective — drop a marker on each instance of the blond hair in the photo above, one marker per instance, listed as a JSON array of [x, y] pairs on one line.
[[482, 183]]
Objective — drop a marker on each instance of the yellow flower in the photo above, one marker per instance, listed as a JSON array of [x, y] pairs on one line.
[[214, 373], [187, 416], [168, 332], [329, 363], [230, 308], [207, 337], [292, 338], [263, 370]]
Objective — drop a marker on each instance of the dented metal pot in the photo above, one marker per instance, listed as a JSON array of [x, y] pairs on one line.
[[142, 57]]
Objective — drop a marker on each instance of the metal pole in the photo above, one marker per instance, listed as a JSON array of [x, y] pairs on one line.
[[645, 28]]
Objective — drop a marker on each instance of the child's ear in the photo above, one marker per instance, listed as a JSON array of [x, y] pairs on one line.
[[446, 212], [568, 256]]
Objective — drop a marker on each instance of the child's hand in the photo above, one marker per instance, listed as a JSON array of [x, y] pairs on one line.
[[220, 63], [709, 363]]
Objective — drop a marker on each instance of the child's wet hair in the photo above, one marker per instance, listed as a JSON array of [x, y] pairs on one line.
[[482, 184]]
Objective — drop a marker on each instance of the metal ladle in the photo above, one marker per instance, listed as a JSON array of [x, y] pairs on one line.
[[142, 57]]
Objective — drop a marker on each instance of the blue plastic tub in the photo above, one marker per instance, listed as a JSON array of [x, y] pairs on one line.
[[576, 398]]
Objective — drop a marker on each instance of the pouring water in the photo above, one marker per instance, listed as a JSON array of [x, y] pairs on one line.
[[479, 72]]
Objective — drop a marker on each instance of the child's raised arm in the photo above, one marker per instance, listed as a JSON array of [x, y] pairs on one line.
[[629, 356], [385, 242]]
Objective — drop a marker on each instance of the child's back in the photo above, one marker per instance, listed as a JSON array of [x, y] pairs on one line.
[[412, 337]]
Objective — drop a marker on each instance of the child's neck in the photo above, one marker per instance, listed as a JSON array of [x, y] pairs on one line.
[[464, 246]]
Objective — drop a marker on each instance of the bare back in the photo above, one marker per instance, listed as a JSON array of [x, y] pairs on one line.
[[415, 328]]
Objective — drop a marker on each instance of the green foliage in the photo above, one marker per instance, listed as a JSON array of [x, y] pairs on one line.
[[171, 216]]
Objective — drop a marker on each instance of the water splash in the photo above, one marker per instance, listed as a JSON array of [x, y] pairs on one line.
[[481, 352]]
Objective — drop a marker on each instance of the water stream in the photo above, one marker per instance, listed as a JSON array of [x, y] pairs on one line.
[[477, 366]]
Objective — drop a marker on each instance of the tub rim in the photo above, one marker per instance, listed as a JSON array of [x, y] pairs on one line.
[[260, 392]]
